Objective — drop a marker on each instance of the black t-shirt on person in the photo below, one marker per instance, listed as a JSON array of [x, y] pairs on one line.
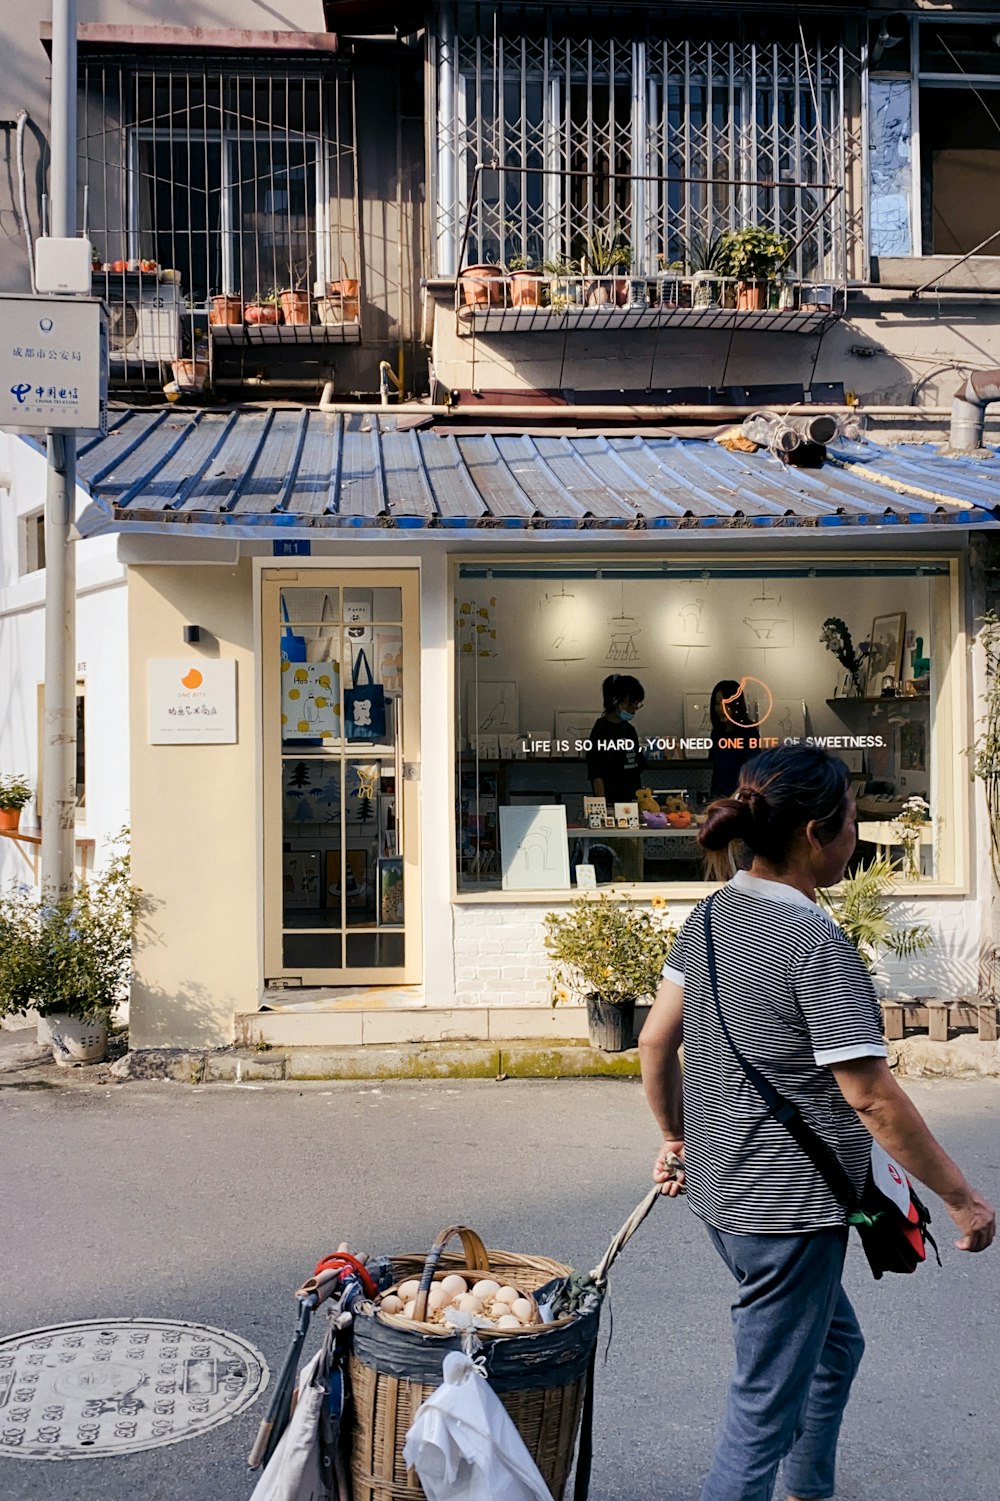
[[615, 758]]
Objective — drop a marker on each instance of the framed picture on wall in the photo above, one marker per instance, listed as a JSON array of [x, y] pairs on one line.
[[300, 879], [885, 652], [356, 892], [390, 886]]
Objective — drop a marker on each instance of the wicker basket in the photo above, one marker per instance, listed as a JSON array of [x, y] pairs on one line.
[[539, 1373]]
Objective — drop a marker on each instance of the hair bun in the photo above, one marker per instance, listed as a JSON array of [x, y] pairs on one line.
[[729, 818]]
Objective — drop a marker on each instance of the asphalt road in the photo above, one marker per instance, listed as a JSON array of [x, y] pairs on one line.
[[211, 1204]]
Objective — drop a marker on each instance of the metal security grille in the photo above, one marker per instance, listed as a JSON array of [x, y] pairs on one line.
[[238, 181], [664, 128]]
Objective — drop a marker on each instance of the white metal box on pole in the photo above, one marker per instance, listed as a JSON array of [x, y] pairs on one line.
[[53, 364]]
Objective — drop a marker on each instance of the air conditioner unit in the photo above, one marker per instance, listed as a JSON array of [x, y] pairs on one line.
[[144, 327]]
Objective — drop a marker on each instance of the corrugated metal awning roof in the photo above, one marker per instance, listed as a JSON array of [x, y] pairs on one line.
[[261, 473]]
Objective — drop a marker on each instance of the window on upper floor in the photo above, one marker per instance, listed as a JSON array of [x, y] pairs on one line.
[[664, 128], [934, 136], [31, 551], [239, 179]]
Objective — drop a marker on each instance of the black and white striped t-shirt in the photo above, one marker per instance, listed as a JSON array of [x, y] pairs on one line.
[[796, 998]]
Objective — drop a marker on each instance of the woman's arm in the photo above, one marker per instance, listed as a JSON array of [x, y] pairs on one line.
[[659, 1042], [897, 1125]]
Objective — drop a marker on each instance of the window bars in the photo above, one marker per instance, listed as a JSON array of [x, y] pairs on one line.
[[214, 190], [658, 128]]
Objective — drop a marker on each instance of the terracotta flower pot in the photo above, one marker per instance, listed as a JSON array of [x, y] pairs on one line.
[[226, 310], [526, 289], [261, 312], [348, 292], [190, 375], [295, 307], [482, 286], [10, 819], [751, 296]]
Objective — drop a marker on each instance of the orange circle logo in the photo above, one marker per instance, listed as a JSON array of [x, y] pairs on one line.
[[752, 723], [192, 679]]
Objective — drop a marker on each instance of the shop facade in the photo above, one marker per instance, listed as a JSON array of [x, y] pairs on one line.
[[389, 795]]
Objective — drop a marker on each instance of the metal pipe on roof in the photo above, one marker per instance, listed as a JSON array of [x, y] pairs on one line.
[[968, 410]]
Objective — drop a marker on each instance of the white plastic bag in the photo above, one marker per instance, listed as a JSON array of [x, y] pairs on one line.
[[295, 1472], [463, 1445]]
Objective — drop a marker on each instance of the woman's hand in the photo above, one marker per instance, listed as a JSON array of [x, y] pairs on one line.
[[668, 1169]]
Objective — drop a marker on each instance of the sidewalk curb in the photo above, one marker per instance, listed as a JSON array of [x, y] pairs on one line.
[[32, 1067]]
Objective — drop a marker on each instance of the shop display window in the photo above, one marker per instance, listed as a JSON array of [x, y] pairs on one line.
[[715, 661]]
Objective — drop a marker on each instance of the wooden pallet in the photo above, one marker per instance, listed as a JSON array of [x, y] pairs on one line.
[[939, 1018]]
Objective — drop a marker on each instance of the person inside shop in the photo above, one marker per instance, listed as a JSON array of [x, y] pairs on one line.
[[730, 719], [615, 761], [615, 764]]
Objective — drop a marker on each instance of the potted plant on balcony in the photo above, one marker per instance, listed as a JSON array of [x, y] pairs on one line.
[[482, 285], [70, 958], [526, 285], [673, 289], [295, 304], [265, 307], [15, 791], [612, 953], [225, 309], [606, 250], [342, 297], [753, 256], [566, 287], [703, 256]]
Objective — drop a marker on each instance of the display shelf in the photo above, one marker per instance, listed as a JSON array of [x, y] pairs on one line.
[[895, 698]]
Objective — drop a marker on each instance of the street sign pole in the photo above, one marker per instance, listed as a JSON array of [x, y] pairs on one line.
[[59, 725]]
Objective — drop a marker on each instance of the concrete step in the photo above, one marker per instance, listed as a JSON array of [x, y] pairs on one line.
[[346, 1023]]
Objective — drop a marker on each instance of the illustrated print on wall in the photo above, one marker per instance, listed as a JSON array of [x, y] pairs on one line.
[[492, 708], [534, 849], [358, 617], [310, 701], [767, 619], [687, 624], [559, 617], [623, 645], [389, 658], [787, 719], [475, 627]]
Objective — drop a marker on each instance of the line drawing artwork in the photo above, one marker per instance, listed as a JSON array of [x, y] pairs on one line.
[[534, 849], [687, 625], [492, 708], [622, 648], [559, 627], [768, 620]]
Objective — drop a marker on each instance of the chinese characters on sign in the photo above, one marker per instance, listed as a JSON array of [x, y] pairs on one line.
[[192, 703], [53, 364]]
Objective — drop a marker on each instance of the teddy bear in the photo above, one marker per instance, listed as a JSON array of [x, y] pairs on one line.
[[650, 812], [677, 812]]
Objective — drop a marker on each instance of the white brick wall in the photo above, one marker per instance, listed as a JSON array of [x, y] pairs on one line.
[[500, 957]]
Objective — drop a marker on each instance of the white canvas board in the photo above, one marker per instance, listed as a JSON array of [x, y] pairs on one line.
[[534, 850], [697, 718]]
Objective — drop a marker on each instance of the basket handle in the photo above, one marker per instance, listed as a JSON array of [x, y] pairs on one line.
[[631, 1225], [476, 1259]]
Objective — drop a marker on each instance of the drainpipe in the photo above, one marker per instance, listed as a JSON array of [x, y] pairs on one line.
[[968, 410]]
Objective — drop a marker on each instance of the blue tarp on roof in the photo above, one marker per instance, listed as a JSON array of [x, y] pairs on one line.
[[278, 472]]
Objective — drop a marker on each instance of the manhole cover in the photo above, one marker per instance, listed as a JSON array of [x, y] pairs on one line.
[[77, 1391]]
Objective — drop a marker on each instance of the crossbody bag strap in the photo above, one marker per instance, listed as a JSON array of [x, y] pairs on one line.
[[781, 1109]]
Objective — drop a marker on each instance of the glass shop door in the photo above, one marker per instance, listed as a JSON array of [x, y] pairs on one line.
[[341, 776]]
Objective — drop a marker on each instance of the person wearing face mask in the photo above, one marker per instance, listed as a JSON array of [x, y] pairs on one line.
[[615, 761]]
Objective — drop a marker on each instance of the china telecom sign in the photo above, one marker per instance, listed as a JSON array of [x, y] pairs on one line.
[[53, 364]]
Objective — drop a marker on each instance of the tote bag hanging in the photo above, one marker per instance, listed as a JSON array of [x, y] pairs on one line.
[[364, 704], [293, 646]]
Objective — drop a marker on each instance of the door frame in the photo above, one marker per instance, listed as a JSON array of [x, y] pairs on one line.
[[271, 581]]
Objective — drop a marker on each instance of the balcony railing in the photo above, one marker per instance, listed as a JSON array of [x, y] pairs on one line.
[[490, 300]]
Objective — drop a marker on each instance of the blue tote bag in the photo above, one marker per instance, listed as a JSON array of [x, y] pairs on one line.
[[364, 704]]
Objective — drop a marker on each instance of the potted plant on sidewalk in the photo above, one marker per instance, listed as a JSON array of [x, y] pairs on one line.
[[611, 953], [15, 791], [69, 958]]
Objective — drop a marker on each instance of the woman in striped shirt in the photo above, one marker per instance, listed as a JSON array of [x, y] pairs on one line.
[[799, 1005]]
